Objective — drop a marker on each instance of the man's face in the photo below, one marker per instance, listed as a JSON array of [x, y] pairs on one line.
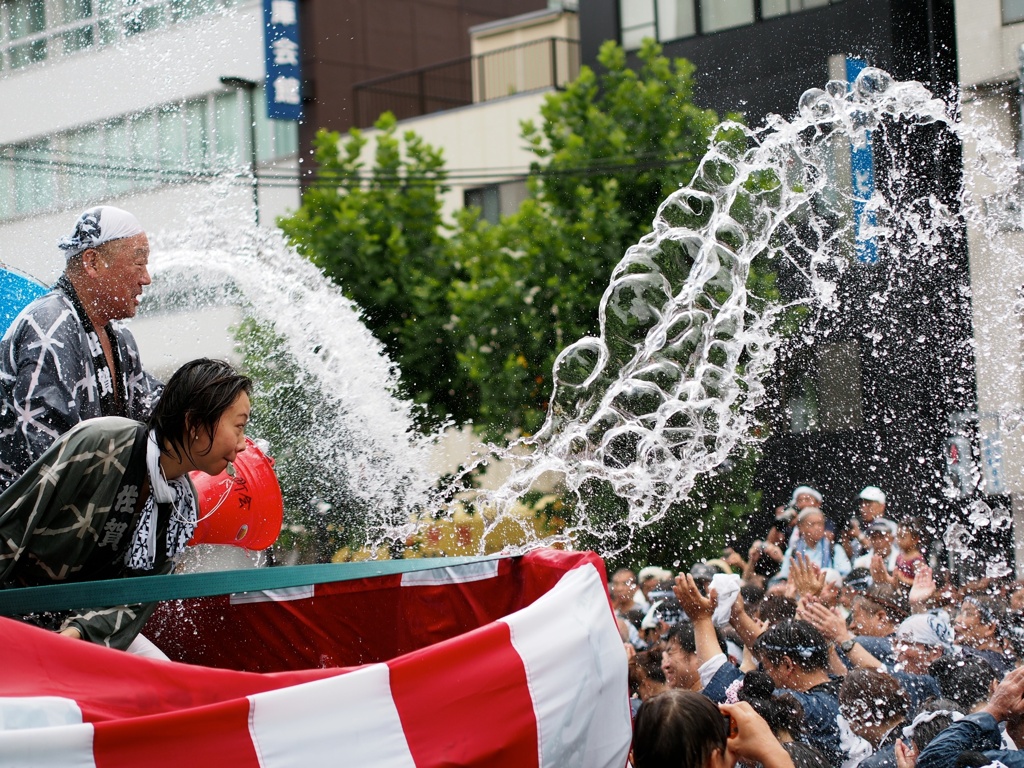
[[812, 528], [865, 619], [680, 667], [915, 658], [869, 510], [805, 500], [122, 272]]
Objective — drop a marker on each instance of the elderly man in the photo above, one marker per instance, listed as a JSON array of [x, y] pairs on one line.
[[66, 359], [813, 544]]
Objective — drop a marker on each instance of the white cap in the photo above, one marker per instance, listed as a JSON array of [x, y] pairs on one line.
[[873, 493], [653, 571], [806, 490]]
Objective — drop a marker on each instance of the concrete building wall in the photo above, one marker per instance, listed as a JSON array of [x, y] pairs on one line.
[[989, 67]]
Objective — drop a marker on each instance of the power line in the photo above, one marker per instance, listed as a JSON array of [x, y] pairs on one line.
[[600, 166]]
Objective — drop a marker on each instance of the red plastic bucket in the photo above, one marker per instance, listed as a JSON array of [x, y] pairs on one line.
[[245, 510]]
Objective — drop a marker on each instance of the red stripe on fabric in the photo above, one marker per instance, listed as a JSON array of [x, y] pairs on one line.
[[205, 736], [466, 702]]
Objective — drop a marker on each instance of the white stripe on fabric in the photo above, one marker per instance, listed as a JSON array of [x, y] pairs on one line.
[[66, 746], [350, 719], [576, 670], [19, 712], [459, 574], [282, 595]]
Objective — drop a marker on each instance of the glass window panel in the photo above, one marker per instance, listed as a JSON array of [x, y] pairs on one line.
[[228, 129], [74, 10], [189, 9], [637, 20], [194, 115], [676, 19], [88, 173], [110, 31], [143, 20], [814, 3], [1013, 11], [724, 14], [286, 137], [264, 131], [29, 53], [146, 130], [172, 140], [35, 180], [6, 180], [120, 157], [77, 39], [25, 17], [773, 8]]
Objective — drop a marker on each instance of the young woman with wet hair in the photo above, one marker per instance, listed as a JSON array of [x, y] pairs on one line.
[[683, 729], [112, 497]]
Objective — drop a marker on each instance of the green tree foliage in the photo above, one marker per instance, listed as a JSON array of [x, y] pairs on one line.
[[380, 236], [609, 149]]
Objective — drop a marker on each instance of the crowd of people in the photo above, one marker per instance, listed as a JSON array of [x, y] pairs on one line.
[[824, 648]]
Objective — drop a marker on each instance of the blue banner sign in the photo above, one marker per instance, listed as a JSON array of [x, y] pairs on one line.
[[284, 66], [862, 174]]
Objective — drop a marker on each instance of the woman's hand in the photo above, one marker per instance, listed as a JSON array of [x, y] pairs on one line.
[[825, 620], [906, 754], [924, 586], [751, 739], [697, 606], [807, 578], [878, 573]]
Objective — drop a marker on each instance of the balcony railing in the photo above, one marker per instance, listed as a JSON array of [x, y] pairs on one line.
[[548, 63]]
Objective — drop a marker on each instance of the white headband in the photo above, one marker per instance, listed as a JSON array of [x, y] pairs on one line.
[[97, 226]]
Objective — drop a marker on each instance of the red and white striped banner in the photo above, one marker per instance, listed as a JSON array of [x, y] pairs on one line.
[[543, 685]]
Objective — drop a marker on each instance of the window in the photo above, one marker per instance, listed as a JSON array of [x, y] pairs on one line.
[[771, 8], [34, 30], [133, 153], [825, 392], [496, 200], [636, 18], [676, 19], [1013, 11], [667, 20], [725, 14]]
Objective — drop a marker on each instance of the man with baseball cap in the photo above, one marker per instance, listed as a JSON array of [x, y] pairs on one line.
[[66, 358], [871, 507]]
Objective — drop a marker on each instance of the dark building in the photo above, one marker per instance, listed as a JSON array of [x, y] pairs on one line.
[[892, 384], [346, 42]]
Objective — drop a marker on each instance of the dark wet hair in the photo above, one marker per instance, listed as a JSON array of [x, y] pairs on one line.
[[645, 664], [681, 729], [682, 634], [872, 697], [776, 608], [889, 599], [805, 756], [194, 399], [797, 640], [963, 678], [926, 731], [782, 712]]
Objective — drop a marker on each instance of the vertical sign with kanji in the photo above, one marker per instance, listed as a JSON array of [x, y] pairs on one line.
[[862, 172], [284, 69]]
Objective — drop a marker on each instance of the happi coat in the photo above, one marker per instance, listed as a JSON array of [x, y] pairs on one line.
[[53, 374], [72, 517]]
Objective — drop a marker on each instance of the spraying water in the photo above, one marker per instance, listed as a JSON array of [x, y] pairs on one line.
[[356, 432], [669, 389]]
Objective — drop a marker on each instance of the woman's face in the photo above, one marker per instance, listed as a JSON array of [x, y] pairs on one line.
[[915, 658], [212, 454]]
